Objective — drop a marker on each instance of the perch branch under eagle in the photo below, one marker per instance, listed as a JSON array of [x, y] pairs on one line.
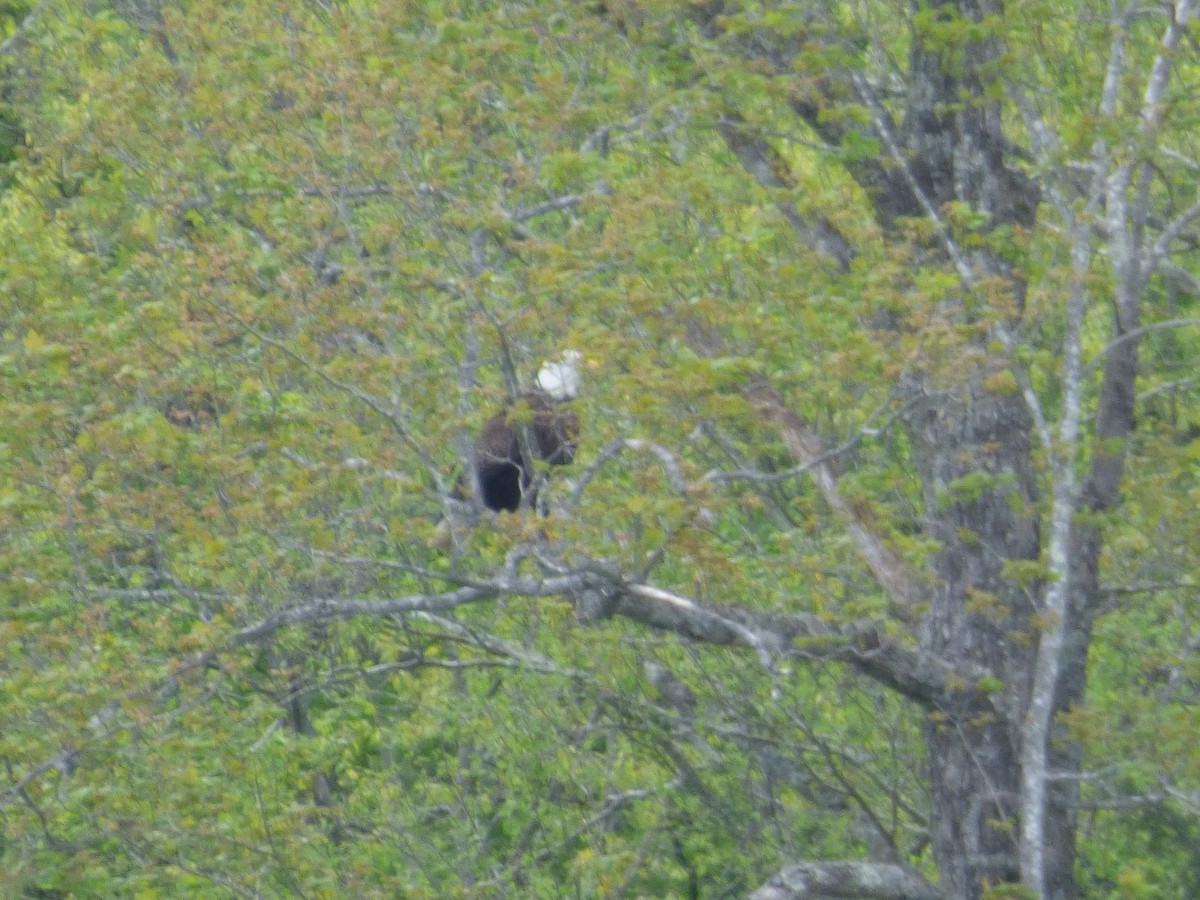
[[548, 433]]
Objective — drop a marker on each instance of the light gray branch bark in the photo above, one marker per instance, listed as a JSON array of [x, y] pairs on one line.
[[14, 41], [847, 881], [1035, 734], [1127, 210]]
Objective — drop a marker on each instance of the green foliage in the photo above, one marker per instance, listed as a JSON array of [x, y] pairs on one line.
[[264, 269]]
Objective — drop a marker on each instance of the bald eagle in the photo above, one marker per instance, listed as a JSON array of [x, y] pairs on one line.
[[548, 431]]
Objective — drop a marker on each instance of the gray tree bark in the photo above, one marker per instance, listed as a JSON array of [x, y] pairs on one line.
[[1000, 776]]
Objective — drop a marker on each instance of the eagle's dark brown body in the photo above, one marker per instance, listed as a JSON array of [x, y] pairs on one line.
[[500, 468]]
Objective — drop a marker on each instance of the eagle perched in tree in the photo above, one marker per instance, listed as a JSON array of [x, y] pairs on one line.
[[537, 422]]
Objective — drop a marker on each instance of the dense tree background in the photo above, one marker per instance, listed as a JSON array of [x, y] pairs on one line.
[[875, 572]]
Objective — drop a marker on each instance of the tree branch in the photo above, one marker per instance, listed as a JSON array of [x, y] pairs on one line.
[[13, 42], [392, 416], [805, 447], [771, 171], [847, 881]]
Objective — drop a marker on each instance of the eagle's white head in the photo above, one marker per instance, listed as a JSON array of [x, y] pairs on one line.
[[559, 378]]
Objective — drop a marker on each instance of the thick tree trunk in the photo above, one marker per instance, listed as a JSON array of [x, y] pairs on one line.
[[974, 612], [974, 453]]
